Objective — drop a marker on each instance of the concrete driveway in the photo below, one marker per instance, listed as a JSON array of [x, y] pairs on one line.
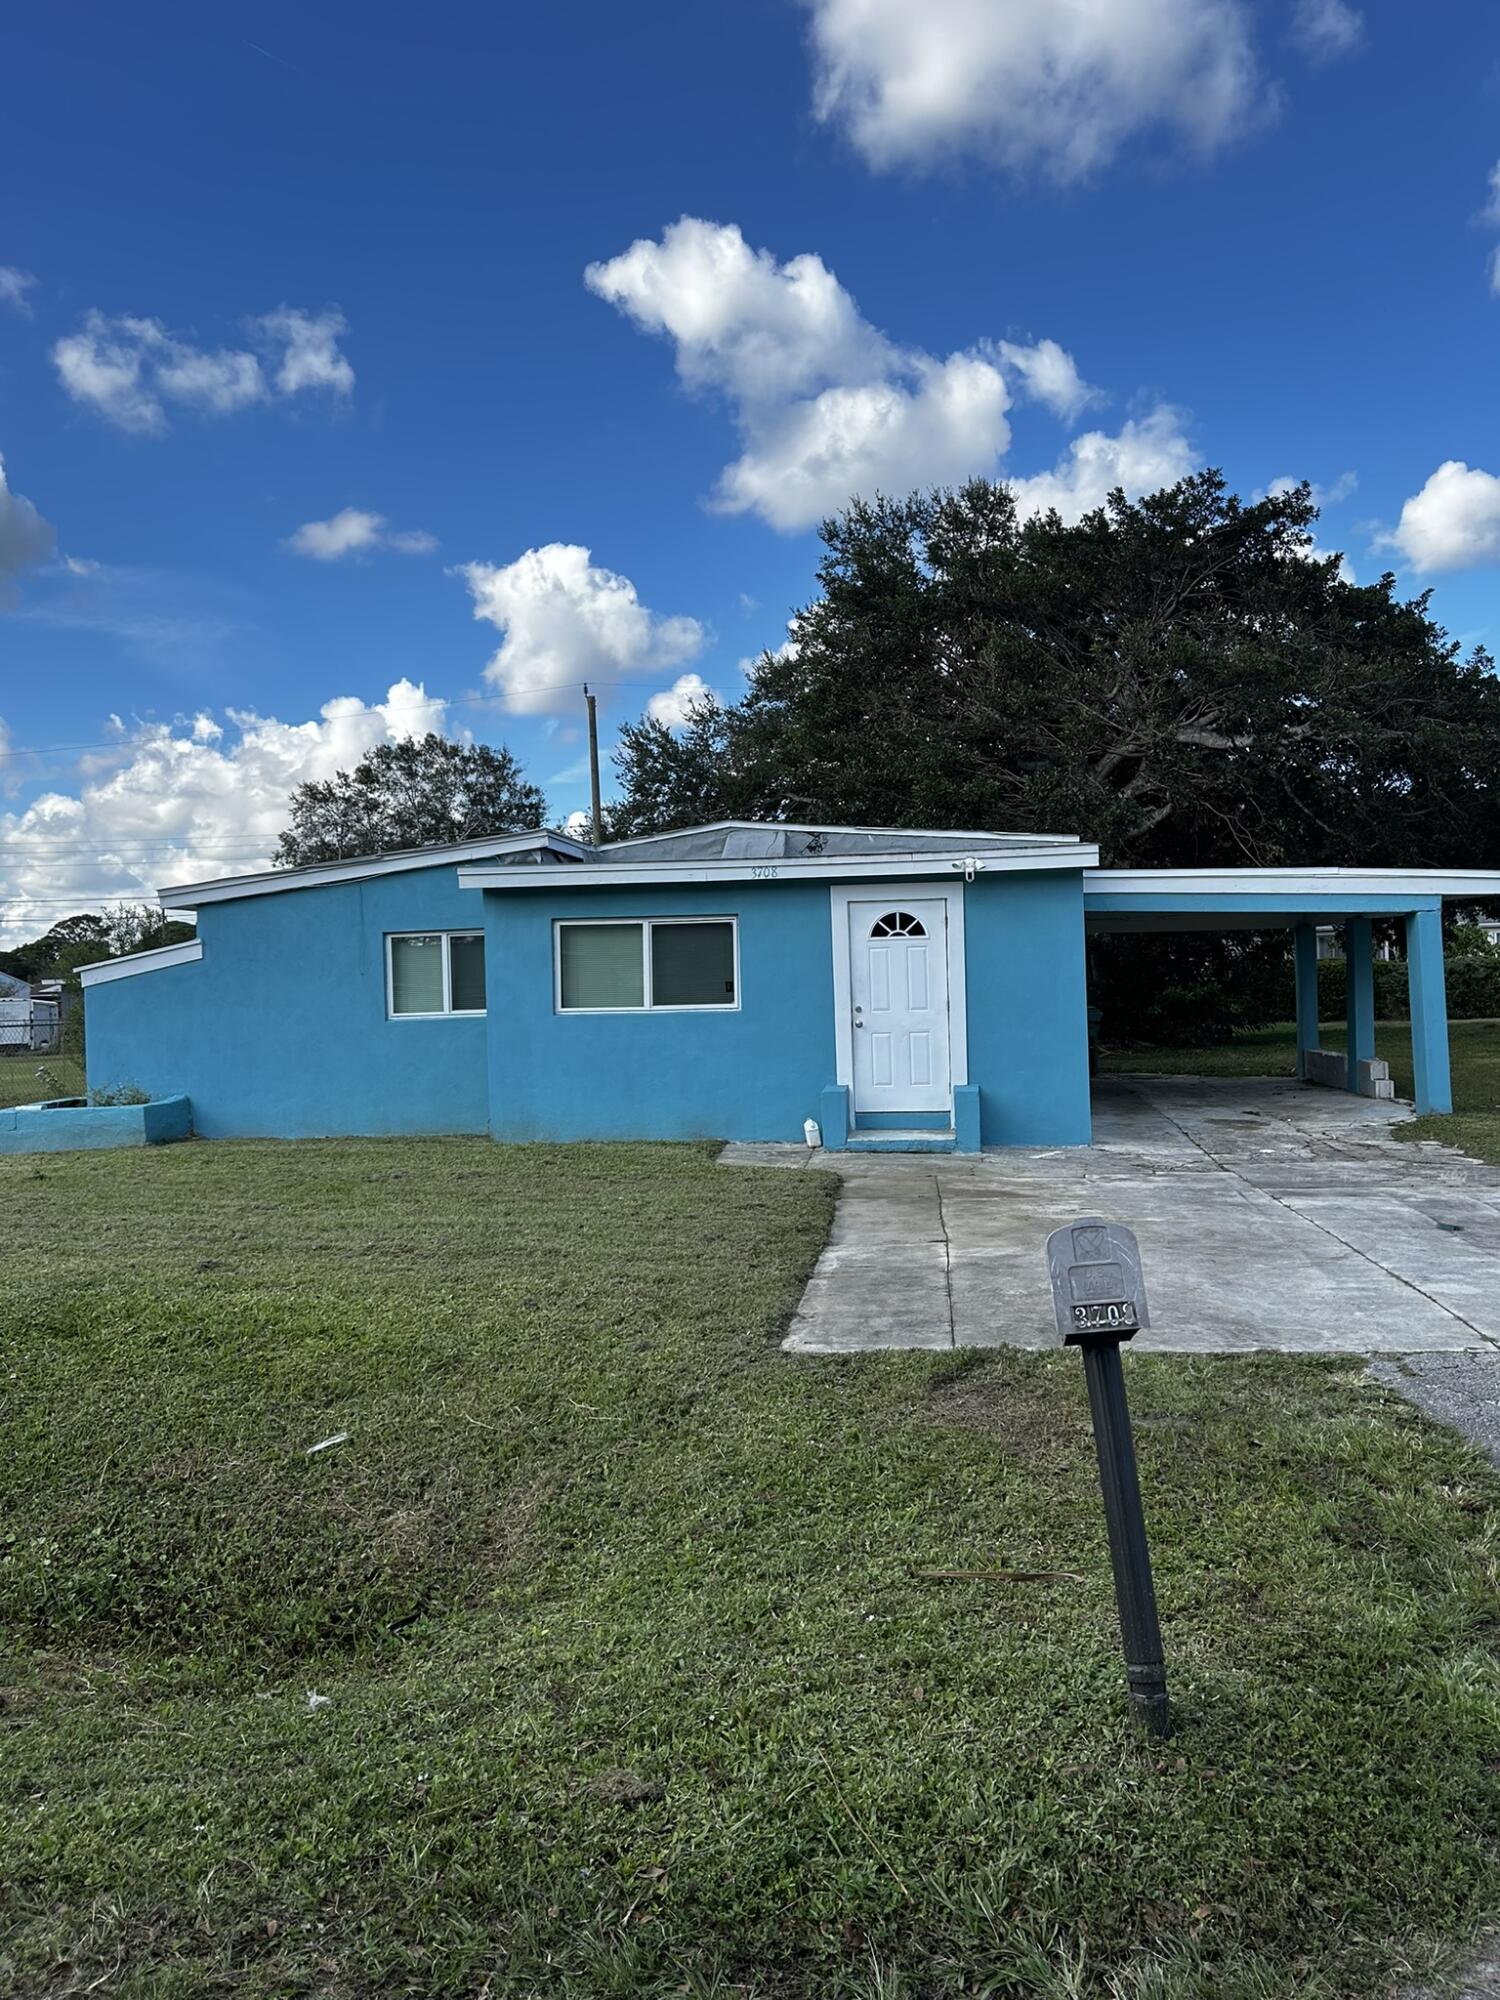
[[1270, 1215]]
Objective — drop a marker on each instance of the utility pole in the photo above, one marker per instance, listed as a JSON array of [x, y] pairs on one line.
[[597, 809]]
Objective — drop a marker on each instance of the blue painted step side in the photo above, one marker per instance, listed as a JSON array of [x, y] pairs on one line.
[[901, 1142]]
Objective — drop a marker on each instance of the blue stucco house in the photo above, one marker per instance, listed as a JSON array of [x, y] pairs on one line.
[[913, 989]]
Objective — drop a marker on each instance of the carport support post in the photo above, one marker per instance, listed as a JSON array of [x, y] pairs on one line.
[[1429, 1009], [1305, 956], [1359, 975]]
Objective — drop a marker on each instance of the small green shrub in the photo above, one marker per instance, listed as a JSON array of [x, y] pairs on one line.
[[1473, 981], [121, 1093]]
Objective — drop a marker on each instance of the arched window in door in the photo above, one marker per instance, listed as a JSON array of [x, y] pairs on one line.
[[897, 923]]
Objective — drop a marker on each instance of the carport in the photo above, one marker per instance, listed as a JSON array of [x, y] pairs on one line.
[[1300, 900]]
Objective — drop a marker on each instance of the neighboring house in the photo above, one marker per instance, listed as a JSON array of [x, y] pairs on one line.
[[30, 1016], [900, 988]]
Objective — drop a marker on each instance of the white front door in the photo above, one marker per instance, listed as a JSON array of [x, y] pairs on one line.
[[898, 999]]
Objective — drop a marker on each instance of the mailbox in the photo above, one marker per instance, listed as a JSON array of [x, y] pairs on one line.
[[1100, 1300], [1097, 1288]]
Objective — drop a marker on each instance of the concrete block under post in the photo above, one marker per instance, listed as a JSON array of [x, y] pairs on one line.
[[1330, 1068], [1324, 1066], [1373, 1079]]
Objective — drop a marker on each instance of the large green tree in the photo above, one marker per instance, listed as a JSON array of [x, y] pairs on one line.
[[408, 794], [1182, 678], [90, 936]]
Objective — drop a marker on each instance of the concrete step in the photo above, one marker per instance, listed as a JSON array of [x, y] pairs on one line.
[[888, 1141]]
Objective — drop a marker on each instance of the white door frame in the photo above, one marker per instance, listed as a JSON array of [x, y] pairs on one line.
[[926, 891]]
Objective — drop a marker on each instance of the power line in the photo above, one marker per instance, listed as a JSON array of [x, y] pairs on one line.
[[84, 904]]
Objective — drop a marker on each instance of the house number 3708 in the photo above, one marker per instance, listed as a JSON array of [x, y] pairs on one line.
[[764, 874]]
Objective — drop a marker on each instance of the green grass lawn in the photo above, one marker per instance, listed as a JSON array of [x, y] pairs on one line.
[[1474, 1056], [605, 1657], [20, 1084]]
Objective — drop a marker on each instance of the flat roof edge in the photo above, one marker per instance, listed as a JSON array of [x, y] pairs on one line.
[[1477, 884], [320, 874], [800, 868], [103, 970]]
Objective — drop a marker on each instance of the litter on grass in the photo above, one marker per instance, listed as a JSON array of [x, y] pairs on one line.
[[327, 1444]]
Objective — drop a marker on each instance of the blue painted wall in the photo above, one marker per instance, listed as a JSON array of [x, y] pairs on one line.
[[1028, 1008], [758, 1073], [280, 1029], [755, 1073]]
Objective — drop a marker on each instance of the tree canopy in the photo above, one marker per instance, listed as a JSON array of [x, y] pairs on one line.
[[1184, 679], [89, 937], [408, 794]]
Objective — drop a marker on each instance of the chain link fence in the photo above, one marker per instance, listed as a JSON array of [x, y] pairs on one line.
[[40, 1036]]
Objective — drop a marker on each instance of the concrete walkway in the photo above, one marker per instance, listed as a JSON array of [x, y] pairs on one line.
[[1270, 1215]]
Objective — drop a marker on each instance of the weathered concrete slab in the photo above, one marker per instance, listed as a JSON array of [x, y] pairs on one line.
[[1270, 1216], [890, 1296]]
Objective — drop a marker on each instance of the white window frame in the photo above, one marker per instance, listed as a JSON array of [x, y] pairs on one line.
[[648, 1004], [448, 1012]]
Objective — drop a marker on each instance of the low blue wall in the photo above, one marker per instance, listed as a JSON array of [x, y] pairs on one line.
[[64, 1127]]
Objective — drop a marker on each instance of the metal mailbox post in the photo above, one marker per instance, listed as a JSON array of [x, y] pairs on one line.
[[1100, 1299]]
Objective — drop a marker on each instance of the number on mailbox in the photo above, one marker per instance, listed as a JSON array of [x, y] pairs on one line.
[[1097, 1289]]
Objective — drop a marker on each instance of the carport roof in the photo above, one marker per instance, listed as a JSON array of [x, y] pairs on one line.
[[1127, 899]]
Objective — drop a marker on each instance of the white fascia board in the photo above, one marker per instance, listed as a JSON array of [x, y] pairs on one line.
[[275, 881], [806, 826], [804, 868], [1476, 883], [140, 961]]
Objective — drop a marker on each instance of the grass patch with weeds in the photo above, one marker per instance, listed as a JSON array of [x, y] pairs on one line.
[[599, 1660], [20, 1083]]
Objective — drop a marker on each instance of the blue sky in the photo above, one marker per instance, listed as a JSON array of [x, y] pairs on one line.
[[323, 332]]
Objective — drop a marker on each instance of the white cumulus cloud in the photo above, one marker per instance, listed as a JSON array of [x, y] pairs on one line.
[[129, 370], [1058, 86], [1326, 29], [1322, 496], [25, 538], [827, 406], [673, 705], [182, 802], [1049, 375], [352, 532], [1453, 523], [14, 286], [945, 421], [1143, 456], [760, 330], [565, 621], [310, 357]]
